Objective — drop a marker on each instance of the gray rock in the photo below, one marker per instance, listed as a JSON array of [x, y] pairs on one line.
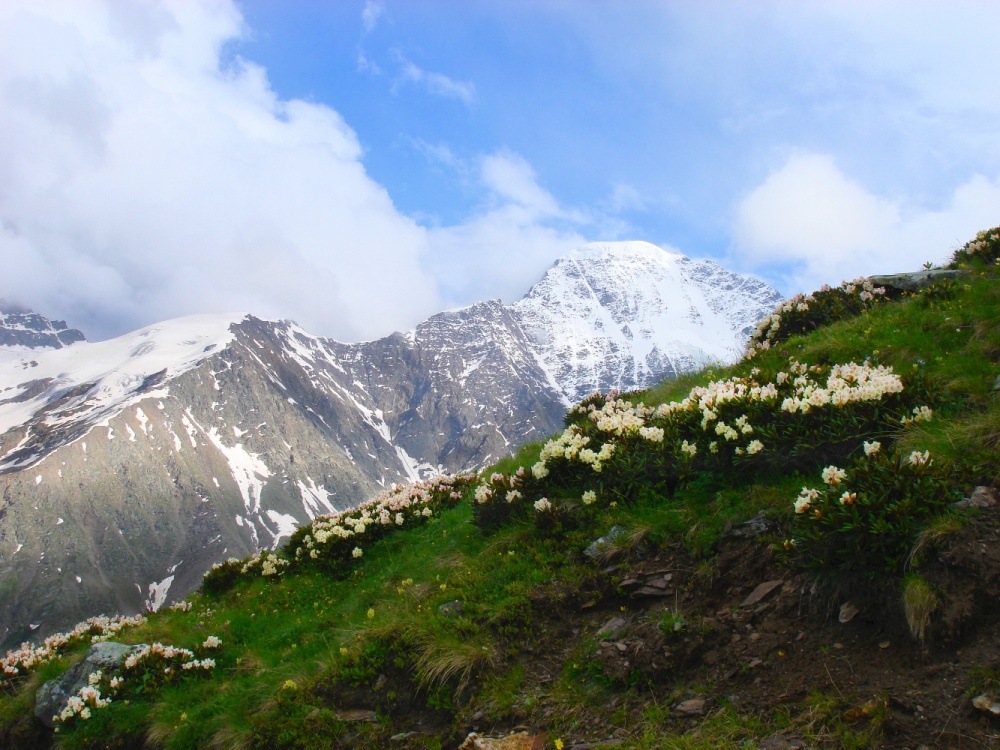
[[915, 280], [450, 609], [981, 497], [599, 545], [693, 707], [760, 592], [52, 697], [612, 627], [752, 527]]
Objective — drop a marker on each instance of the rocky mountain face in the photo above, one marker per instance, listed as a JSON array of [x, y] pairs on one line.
[[23, 328], [129, 466]]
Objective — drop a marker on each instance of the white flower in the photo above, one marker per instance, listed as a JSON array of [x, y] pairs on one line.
[[755, 446], [834, 476], [542, 505], [848, 498], [539, 470], [212, 642], [483, 494], [872, 448], [357, 552], [652, 434], [513, 495], [589, 497], [689, 448], [919, 459], [805, 498]]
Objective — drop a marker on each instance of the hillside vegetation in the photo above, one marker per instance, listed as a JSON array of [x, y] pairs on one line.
[[775, 554]]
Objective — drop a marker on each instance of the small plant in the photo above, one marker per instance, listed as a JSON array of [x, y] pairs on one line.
[[920, 601], [671, 623]]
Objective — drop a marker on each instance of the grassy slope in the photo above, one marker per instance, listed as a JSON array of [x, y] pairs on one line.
[[297, 650]]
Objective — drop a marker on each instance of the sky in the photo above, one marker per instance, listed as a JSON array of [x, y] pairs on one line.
[[358, 165]]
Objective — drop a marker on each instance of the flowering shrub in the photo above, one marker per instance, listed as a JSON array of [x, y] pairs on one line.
[[804, 313], [864, 519], [148, 669], [796, 418], [333, 542], [27, 657], [985, 248]]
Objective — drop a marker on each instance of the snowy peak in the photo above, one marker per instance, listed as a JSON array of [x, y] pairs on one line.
[[621, 252], [624, 315]]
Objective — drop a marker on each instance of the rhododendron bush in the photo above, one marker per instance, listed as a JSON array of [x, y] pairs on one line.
[[148, 669], [22, 661], [863, 520], [804, 313], [793, 419], [333, 542]]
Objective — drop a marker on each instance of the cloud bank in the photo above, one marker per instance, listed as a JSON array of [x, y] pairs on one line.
[[141, 179], [807, 222]]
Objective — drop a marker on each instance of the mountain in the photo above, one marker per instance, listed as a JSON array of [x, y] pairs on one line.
[[129, 466], [625, 315]]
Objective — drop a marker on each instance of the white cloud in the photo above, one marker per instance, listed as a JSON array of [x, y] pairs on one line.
[[436, 83], [505, 247], [370, 15], [140, 180], [809, 224]]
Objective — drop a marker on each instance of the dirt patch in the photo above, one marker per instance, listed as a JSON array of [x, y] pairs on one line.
[[750, 633]]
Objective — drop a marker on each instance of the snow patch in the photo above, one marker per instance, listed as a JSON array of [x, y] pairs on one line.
[[157, 593], [315, 499], [286, 524]]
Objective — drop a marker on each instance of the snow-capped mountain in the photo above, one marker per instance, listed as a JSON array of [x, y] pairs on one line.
[[129, 466], [625, 315]]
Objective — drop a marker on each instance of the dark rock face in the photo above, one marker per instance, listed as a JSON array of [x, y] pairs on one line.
[[25, 328]]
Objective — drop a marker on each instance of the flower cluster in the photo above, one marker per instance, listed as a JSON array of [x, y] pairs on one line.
[[984, 247], [268, 563], [920, 414], [24, 659], [87, 700], [806, 312]]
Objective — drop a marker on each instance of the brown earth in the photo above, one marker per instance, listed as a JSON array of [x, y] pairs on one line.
[[763, 640]]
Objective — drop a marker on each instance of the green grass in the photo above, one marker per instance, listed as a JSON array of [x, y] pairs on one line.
[[296, 648]]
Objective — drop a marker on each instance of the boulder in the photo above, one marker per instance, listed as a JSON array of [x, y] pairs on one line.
[[915, 280], [597, 548], [52, 697]]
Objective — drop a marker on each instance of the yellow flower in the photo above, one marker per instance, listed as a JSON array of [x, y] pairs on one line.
[[559, 745], [371, 613]]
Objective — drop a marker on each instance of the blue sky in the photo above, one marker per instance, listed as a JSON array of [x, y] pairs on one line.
[[359, 165]]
